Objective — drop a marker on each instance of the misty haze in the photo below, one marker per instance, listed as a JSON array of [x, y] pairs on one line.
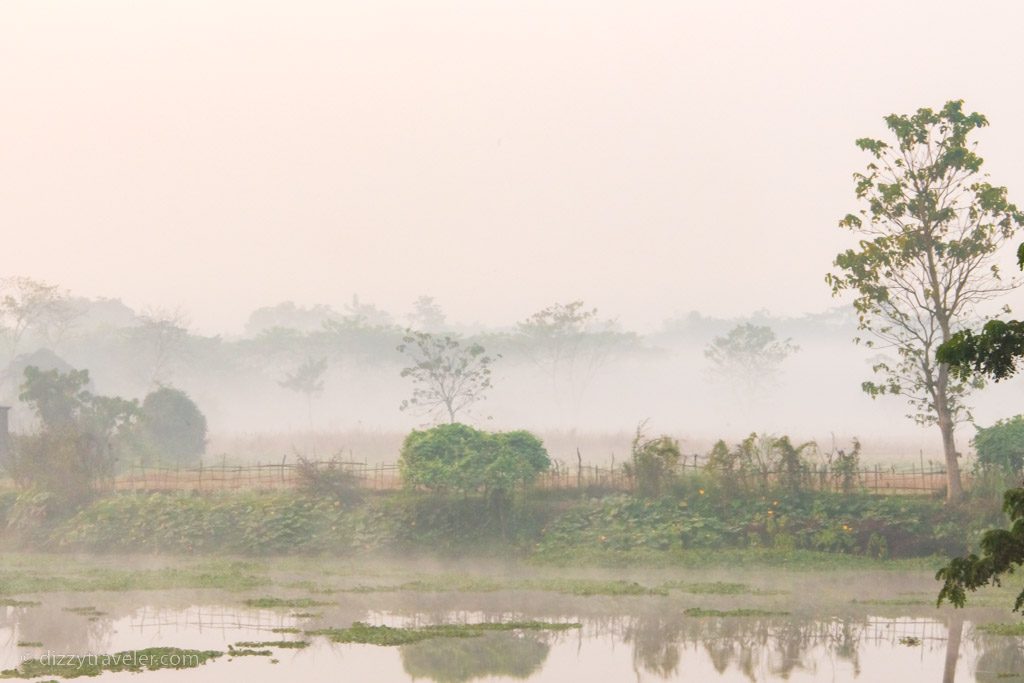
[[466, 341]]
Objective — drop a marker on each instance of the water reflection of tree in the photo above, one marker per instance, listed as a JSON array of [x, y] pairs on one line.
[[781, 646], [655, 644], [457, 660], [1001, 657]]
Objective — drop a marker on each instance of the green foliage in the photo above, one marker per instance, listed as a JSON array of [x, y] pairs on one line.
[[332, 480], [56, 398], [448, 378], [242, 524], [844, 465], [792, 465], [769, 461], [838, 523], [1001, 446], [1016, 629], [80, 438], [456, 457], [279, 644], [1002, 552], [172, 426], [994, 352], [457, 524], [654, 463], [57, 576]]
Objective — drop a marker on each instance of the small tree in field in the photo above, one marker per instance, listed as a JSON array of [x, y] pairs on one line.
[[448, 377], [308, 380], [929, 228], [172, 426], [570, 343], [749, 356], [80, 437]]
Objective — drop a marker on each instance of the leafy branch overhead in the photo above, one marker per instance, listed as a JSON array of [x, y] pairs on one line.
[[1002, 552], [993, 352], [448, 376]]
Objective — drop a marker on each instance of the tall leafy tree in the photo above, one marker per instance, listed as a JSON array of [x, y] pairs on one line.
[[929, 227]]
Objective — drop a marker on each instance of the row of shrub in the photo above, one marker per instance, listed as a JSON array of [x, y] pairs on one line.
[[286, 522], [271, 523], [859, 524]]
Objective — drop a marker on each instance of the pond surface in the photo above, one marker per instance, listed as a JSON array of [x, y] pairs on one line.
[[619, 639]]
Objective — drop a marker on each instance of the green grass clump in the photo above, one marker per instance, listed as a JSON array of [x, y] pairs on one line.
[[149, 659], [896, 602], [29, 643], [702, 612], [715, 588], [587, 587], [1016, 629], [285, 630], [42, 579], [910, 641], [271, 602], [11, 602], [464, 584], [290, 644], [247, 652], [363, 633]]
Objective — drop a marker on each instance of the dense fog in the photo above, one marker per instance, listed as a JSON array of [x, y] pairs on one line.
[[593, 397]]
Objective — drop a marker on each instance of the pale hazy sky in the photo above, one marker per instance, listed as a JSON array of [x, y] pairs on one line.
[[651, 158]]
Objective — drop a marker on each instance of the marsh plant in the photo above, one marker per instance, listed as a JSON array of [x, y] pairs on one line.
[[654, 463]]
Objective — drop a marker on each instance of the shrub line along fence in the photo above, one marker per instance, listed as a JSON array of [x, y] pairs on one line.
[[283, 475]]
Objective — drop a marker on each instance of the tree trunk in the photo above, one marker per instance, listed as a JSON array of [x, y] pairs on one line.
[[954, 487]]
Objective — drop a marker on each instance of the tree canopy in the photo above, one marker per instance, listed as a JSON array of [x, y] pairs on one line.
[[448, 376]]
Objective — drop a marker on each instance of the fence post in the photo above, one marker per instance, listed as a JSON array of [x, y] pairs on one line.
[[579, 469]]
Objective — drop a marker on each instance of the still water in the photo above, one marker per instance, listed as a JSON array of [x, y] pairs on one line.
[[618, 640]]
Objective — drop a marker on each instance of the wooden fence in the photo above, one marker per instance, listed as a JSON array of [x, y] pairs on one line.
[[924, 480]]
